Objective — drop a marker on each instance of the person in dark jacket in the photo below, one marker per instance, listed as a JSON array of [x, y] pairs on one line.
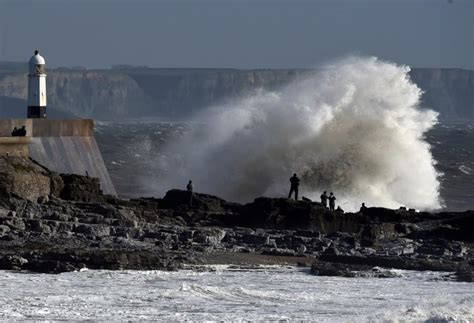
[[294, 182], [324, 199], [332, 201], [190, 189], [21, 132]]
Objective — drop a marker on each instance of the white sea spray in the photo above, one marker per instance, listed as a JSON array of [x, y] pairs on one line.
[[354, 127]]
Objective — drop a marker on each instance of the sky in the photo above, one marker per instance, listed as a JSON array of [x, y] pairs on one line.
[[237, 33]]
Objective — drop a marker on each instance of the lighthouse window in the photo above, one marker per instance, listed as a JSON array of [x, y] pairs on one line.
[[40, 69]]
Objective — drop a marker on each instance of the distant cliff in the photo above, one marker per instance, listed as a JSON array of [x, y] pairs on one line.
[[130, 93]]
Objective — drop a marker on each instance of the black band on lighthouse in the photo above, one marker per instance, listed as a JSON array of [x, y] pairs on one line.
[[36, 112]]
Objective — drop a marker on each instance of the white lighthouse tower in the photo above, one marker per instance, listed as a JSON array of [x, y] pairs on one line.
[[36, 87]]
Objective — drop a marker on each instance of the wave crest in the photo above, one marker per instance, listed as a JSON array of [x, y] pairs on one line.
[[353, 127]]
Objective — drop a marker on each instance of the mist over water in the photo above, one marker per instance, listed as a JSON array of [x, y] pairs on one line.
[[353, 127]]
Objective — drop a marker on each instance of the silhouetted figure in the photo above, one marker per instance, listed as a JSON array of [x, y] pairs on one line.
[[295, 182], [22, 132], [339, 209], [190, 189], [332, 201], [363, 208], [15, 132], [324, 199]]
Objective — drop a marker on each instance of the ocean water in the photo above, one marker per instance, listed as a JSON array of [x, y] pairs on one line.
[[224, 293], [140, 163]]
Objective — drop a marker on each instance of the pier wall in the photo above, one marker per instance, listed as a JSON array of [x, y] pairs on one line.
[[63, 146]]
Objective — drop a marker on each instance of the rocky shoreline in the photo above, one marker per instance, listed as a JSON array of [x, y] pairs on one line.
[[53, 223]]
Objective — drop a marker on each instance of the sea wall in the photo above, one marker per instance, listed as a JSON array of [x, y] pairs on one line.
[[63, 146]]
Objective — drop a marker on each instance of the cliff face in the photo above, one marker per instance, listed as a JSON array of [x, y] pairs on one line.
[[448, 91], [95, 94], [177, 93]]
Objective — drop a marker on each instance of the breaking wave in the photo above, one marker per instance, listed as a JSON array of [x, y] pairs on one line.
[[353, 127]]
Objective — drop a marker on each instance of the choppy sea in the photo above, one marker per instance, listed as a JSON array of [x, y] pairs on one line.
[[229, 294], [133, 153]]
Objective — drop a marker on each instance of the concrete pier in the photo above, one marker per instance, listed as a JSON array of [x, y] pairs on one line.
[[63, 146], [14, 146]]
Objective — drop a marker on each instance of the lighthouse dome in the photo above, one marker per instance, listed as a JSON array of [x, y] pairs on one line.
[[37, 59], [36, 64]]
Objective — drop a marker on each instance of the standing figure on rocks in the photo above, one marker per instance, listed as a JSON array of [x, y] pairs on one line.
[[332, 201], [190, 188], [324, 199], [295, 182]]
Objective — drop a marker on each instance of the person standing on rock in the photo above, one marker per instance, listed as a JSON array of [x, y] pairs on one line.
[[332, 201], [295, 182], [190, 189], [324, 199]]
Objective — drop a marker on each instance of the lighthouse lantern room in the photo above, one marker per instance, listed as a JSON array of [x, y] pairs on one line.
[[37, 87]]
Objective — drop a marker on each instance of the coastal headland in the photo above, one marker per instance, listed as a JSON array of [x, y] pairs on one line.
[[54, 223]]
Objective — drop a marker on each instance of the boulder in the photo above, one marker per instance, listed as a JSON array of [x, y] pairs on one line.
[[81, 188], [4, 229], [178, 198], [281, 213], [12, 262], [212, 236], [257, 240], [93, 230], [465, 274]]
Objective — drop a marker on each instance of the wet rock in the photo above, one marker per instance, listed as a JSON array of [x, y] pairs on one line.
[[12, 262], [465, 275], [16, 224], [50, 266], [43, 199], [179, 198], [39, 226], [211, 236], [332, 251], [4, 230], [281, 214], [335, 269], [301, 248], [93, 230], [254, 239], [81, 188]]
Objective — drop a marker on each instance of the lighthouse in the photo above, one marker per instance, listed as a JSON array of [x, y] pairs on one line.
[[36, 87]]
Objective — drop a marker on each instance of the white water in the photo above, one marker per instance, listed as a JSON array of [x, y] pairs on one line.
[[266, 294], [355, 128]]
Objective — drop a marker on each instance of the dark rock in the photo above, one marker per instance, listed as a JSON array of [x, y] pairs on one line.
[[393, 262], [211, 236], [16, 224], [465, 275], [179, 198], [12, 262], [39, 226], [81, 188], [254, 239], [49, 266], [4, 229], [93, 230]]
